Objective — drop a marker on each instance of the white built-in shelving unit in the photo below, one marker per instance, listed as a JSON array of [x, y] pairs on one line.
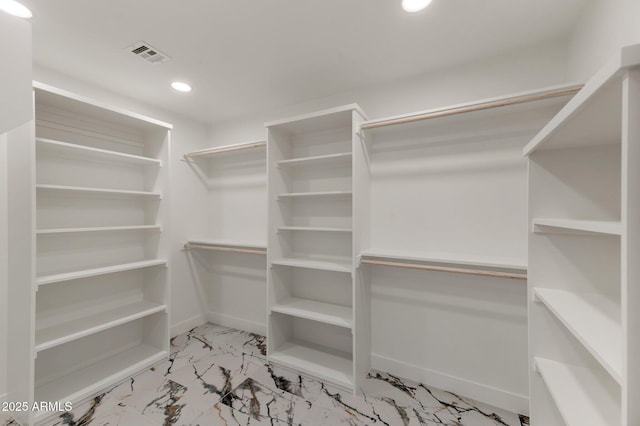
[[318, 309], [584, 210], [228, 257], [96, 181]]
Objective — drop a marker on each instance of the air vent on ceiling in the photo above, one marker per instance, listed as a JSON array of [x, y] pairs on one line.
[[145, 51]]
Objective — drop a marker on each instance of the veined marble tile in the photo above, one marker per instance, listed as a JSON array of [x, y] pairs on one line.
[[7, 420], [243, 340]]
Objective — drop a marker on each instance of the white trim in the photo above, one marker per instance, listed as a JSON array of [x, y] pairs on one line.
[[3, 398], [188, 324], [483, 393], [235, 322]]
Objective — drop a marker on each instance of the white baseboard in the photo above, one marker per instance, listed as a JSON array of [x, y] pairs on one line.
[[3, 398], [186, 325], [483, 393], [235, 322]]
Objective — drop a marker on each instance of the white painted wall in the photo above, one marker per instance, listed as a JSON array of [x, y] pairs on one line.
[[187, 215], [606, 25], [3, 266]]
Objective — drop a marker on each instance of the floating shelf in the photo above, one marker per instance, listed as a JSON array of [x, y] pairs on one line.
[[49, 279], [579, 394], [577, 226], [95, 377], [323, 363], [334, 159], [327, 313], [316, 194], [80, 327], [97, 191], [99, 229], [94, 153], [314, 229], [594, 320], [313, 264]]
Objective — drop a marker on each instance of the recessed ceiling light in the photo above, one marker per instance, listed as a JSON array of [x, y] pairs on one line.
[[180, 86], [414, 5], [14, 8]]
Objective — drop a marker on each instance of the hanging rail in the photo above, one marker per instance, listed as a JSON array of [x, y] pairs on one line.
[[226, 148], [227, 249], [513, 100], [480, 272]]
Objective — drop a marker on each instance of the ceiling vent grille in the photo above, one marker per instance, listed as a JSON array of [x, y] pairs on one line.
[[145, 51]]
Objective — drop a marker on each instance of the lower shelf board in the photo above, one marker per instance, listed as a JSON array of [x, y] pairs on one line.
[[582, 395], [80, 327], [322, 363], [316, 311], [313, 264], [85, 273], [93, 378]]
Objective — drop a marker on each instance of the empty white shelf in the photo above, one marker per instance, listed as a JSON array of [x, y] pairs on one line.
[[446, 259], [95, 377], [319, 362], [579, 394], [313, 264], [577, 226], [317, 311], [230, 243], [98, 191], [99, 229], [49, 145], [80, 327], [316, 194], [594, 320], [54, 278], [314, 228], [343, 158]]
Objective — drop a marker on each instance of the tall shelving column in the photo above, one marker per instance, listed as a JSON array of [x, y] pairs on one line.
[[317, 310], [101, 284], [584, 209]]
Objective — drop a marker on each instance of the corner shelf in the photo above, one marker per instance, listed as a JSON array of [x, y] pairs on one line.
[[316, 311], [94, 153], [317, 361], [67, 276], [314, 229], [313, 264], [80, 327], [577, 226], [96, 191], [578, 394], [343, 158], [315, 194], [51, 231], [591, 318]]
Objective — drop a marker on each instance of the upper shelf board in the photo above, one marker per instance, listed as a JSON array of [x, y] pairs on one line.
[[49, 95], [593, 116], [332, 118], [48, 145]]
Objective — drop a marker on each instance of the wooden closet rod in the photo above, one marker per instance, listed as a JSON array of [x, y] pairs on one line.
[[227, 249], [481, 272], [227, 148], [474, 107]]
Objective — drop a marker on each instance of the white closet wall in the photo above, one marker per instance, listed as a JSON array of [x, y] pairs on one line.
[[230, 272], [3, 267]]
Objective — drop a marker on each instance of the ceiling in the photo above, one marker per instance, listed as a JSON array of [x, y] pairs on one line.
[[246, 56]]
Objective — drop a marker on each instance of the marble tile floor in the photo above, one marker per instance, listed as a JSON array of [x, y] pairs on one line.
[[219, 376]]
